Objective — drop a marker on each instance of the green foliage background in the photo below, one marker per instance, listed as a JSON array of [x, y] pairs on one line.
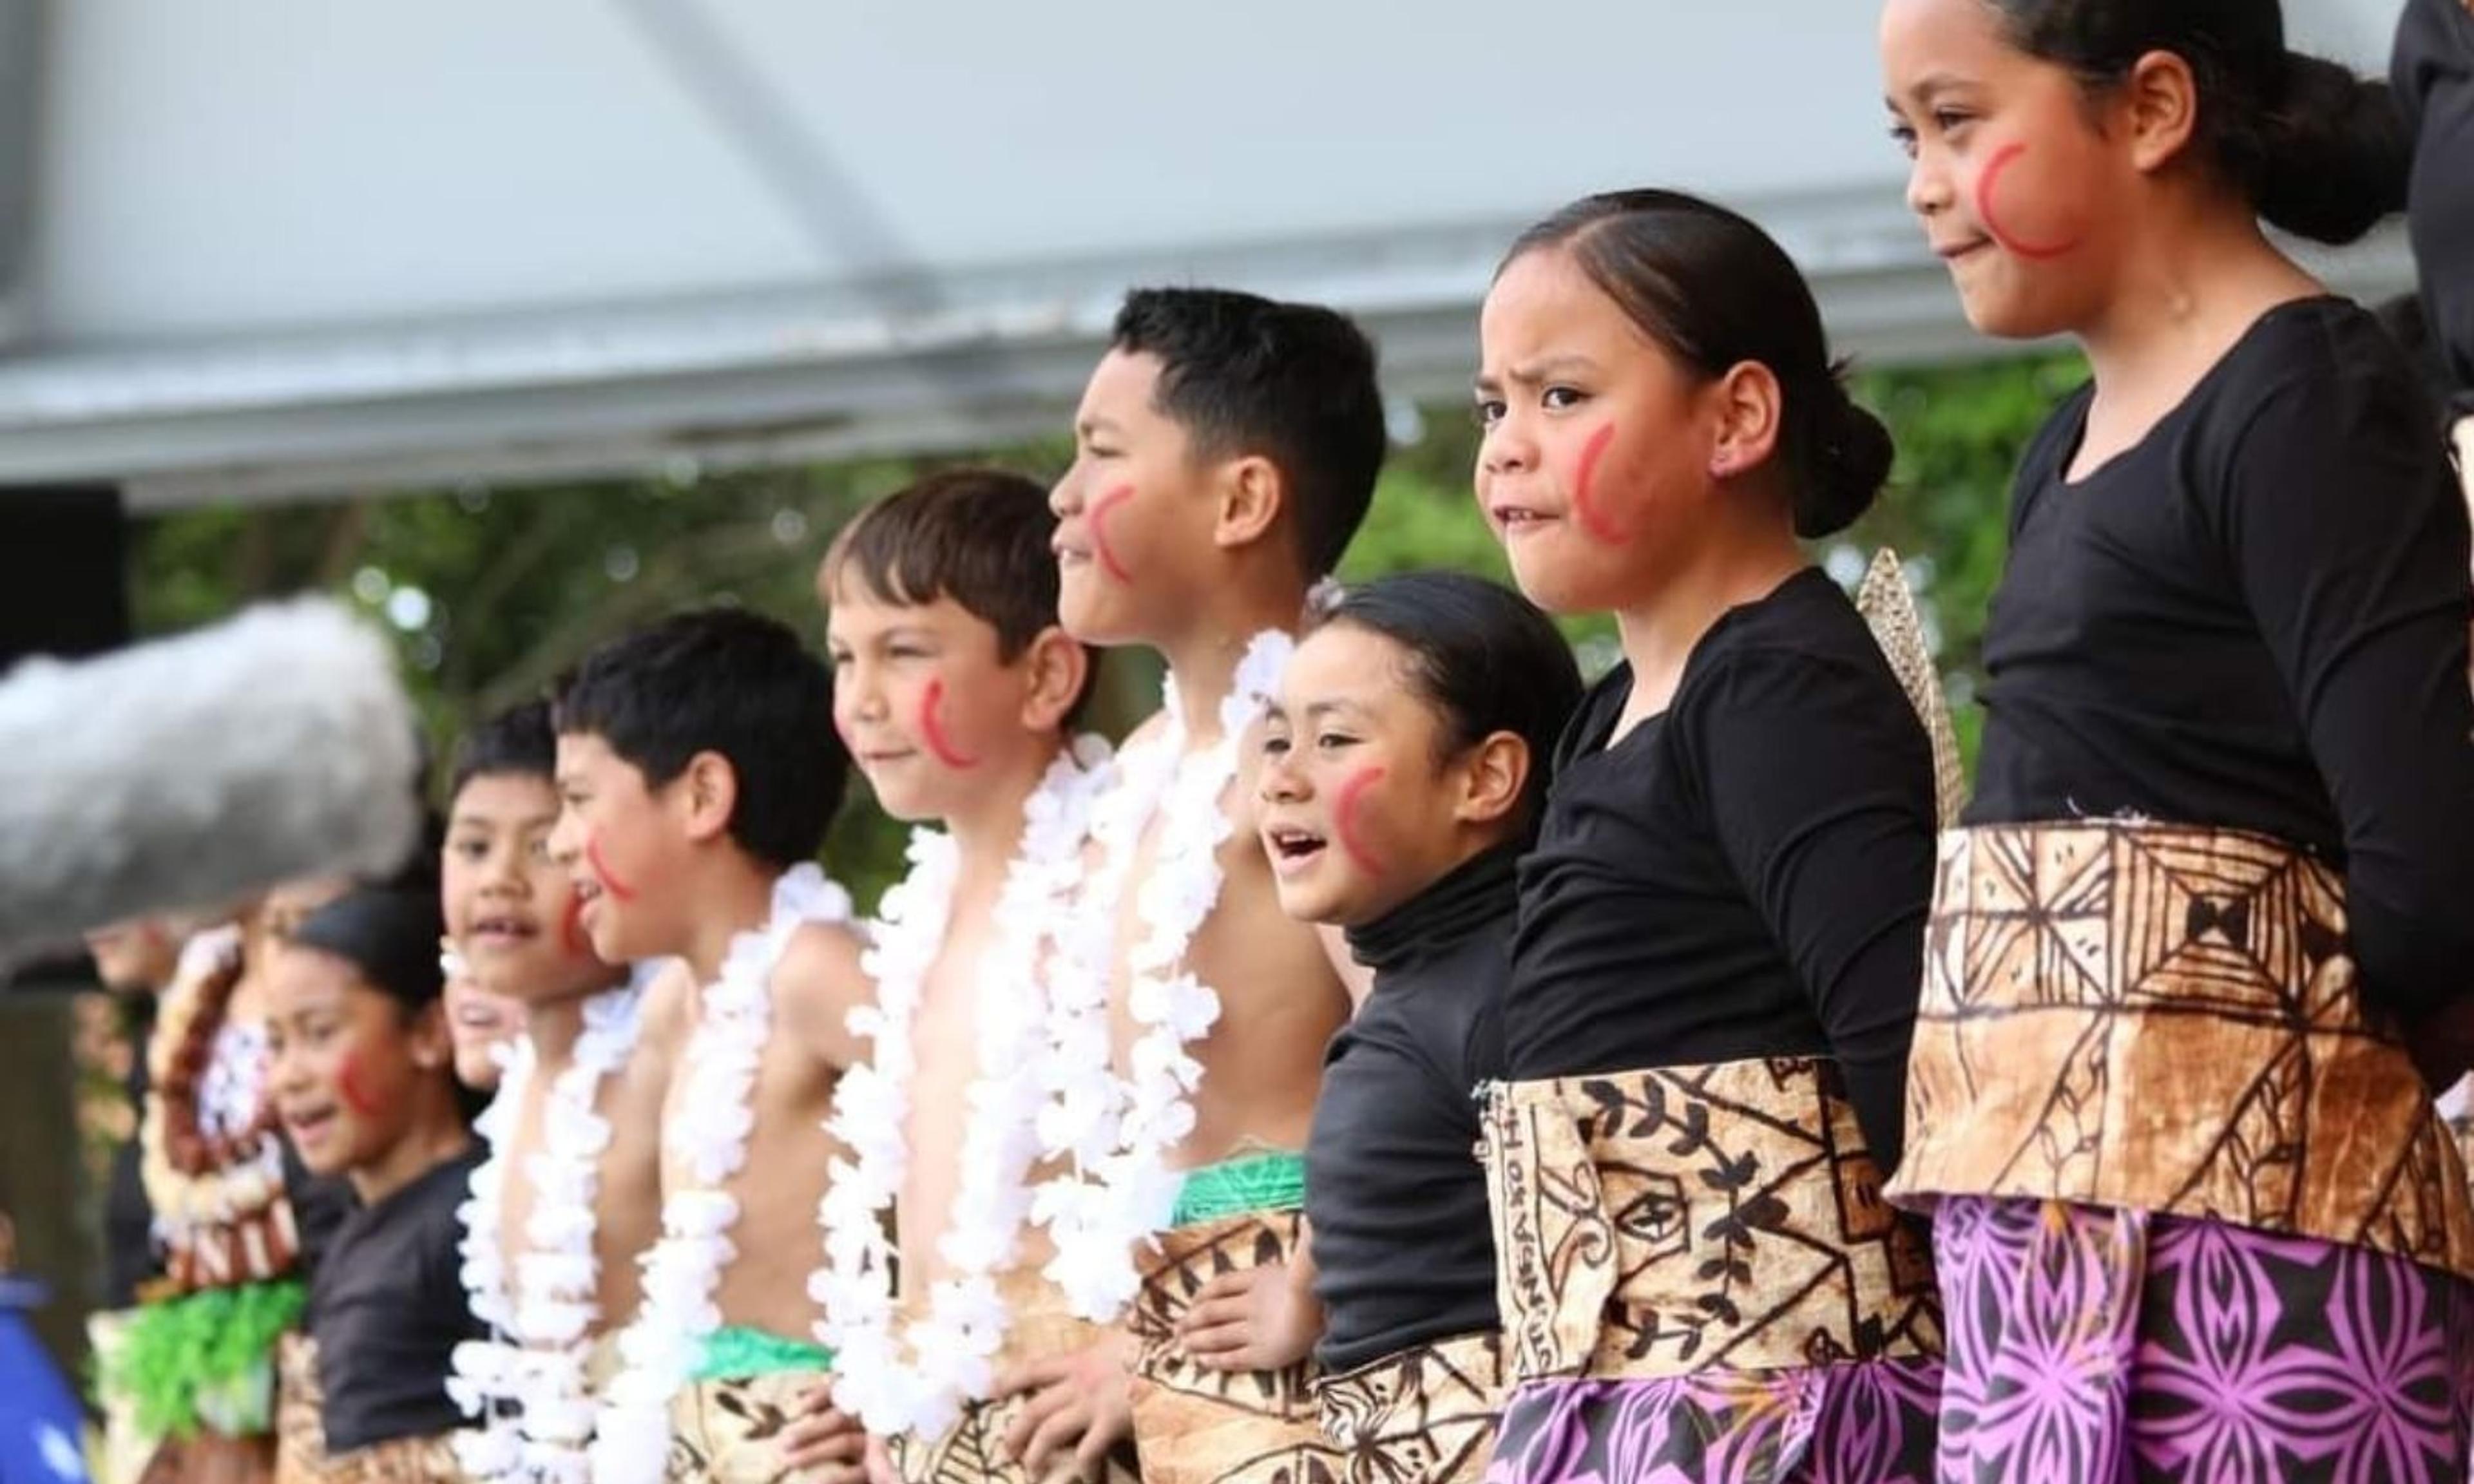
[[492, 592]]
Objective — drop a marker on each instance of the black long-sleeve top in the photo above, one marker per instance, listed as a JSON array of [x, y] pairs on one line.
[[2432, 73], [387, 1308], [2256, 619], [1745, 875], [1403, 1248]]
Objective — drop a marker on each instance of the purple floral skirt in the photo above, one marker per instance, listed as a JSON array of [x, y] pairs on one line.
[[2098, 1345], [1859, 1423]]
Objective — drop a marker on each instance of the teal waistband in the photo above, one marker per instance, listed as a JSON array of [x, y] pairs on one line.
[[1250, 1185], [736, 1352]]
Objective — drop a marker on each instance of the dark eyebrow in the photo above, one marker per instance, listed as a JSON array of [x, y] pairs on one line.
[[1540, 372]]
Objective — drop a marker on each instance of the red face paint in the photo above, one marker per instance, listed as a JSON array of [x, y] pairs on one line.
[[1584, 509], [931, 727], [570, 928], [601, 868], [1100, 547], [1986, 213], [1343, 818], [348, 1084]]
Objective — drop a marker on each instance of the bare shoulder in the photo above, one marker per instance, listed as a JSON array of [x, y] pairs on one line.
[[818, 983]]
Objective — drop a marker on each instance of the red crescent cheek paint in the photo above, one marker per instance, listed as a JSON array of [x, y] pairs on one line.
[[1584, 509], [931, 727], [570, 928], [1099, 545], [600, 868], [1986, 213], [348, 1083], [1343, 818]]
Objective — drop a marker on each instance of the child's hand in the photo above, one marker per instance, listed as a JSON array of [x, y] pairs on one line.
[[1255, 1319], [822, 1444], [1080, 1400]]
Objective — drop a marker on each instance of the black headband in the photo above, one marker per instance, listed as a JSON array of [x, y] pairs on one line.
[[391, 935]]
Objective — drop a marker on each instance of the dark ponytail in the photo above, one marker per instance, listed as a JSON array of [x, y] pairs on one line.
[[1714, 291], [2316, 150]]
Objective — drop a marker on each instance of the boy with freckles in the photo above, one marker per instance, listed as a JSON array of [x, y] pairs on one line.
[[1226, 451]]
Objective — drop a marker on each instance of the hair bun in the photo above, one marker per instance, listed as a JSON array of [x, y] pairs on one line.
[[1849, 466], [2337, 152]]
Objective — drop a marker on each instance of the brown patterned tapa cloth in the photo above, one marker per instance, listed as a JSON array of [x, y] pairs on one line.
[[974, 1453], [301, 1455], [1423, 1416], [730, 1431], [300, 1436], [1680, 1219], [1198, 1426], [403, 1461], [2166, 1019]]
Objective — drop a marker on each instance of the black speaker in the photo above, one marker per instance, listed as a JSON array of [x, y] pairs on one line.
[[63, 572]]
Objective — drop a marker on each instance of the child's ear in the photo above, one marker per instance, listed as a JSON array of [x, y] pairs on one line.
[[1253, 496], [1059, 668], [427, 1040], [2160, 103], [1493, 777], [707, 791], [1749, 405]]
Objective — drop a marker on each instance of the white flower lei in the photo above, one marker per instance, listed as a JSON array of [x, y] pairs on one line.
[[952, 1351], [709, 1136], [527, 1384], [1115, 1133]]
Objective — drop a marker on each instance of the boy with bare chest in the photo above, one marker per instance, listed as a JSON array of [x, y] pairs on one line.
[[954, 690], [699, 769], [1226, 451]]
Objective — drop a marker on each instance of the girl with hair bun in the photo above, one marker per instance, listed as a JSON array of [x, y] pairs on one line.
[[1714, 976], [2205, 935]]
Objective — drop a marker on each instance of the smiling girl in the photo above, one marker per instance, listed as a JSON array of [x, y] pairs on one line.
[[2196, 1219], [1403, 768], [363, 1083]]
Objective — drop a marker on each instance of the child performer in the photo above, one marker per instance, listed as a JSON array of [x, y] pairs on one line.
[[364, 1084], [2222, 841], [1404, 770], [1714, 979], [955, 689], [699, 768], [239, 1219], [1225, 450], [570, 1195]]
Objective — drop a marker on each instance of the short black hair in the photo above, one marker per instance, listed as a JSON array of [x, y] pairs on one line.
[[519, 741], [1294, 383], [1483, 657], [724, 681]]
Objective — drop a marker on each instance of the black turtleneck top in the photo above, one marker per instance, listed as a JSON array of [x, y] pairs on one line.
[[1404, 1248]]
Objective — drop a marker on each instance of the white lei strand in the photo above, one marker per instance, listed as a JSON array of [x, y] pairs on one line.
[[952, 1352], [1114, 1133], [535, 1368], [709, 1138]]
